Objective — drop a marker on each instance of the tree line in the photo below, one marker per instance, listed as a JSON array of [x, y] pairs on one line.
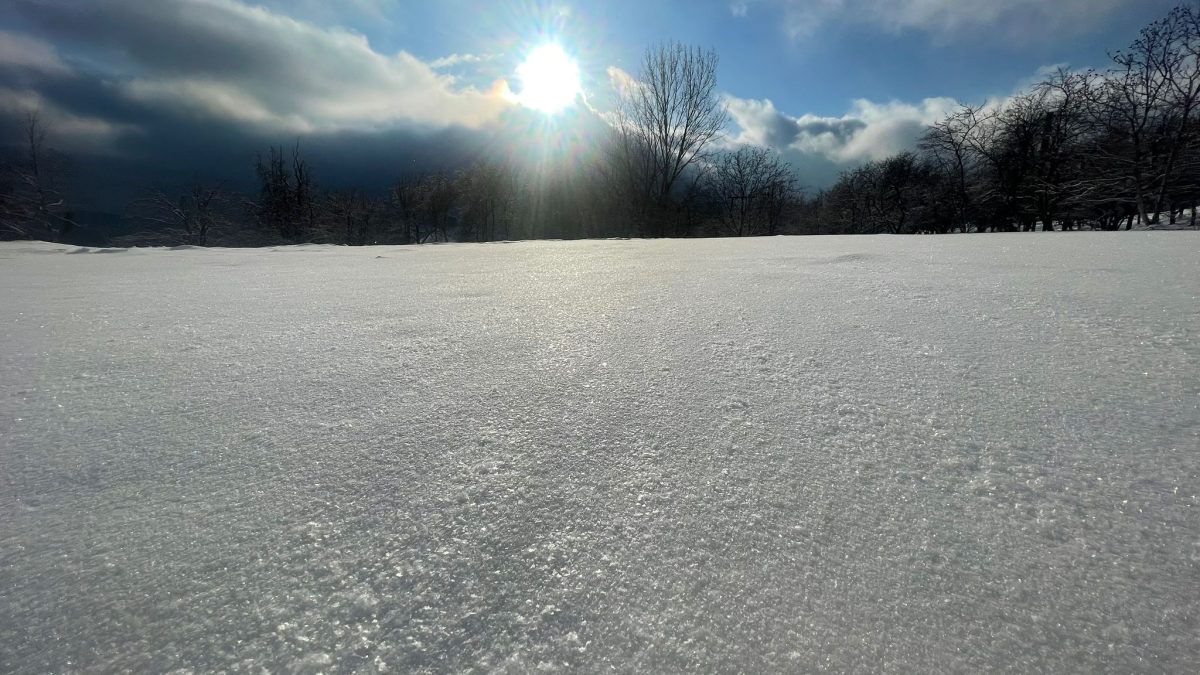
[[1100, 149]]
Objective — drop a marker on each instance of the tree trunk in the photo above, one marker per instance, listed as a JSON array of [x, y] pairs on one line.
[[1140, 194], [1047, 218]]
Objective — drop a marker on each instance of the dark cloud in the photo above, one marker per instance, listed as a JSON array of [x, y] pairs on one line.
[[840, 129], [161, 93], [223, 59], [119, 146]]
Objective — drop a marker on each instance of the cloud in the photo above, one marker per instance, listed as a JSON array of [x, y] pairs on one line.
[[760, 123], [459, 59], [821, 146], [946, 19], [246, 64], [80, 132], [621, 81], [161, 94], [24, 52], [326, 12]]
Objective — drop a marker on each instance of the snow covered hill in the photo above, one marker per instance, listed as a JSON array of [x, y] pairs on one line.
[[900, 454]]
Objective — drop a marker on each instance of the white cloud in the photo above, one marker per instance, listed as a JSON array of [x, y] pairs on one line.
[[868, 131], [620, 80], [229, 60], [335, 13], [892, 127], [822, 146], [459, 59], [944, 18]]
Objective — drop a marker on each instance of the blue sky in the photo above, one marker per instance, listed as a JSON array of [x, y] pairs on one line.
[[804, 61], [829, 83]]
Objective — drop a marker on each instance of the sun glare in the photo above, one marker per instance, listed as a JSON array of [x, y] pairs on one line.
[[549, 79]]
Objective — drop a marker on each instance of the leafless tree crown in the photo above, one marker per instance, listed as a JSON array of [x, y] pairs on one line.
[[668, 119]]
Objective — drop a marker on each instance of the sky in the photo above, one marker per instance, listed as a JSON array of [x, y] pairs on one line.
[[175, 90]]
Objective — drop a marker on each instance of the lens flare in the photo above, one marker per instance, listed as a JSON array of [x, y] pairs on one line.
[[549, 79]]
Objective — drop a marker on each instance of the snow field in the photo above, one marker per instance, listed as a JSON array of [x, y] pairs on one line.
[[941, 454]]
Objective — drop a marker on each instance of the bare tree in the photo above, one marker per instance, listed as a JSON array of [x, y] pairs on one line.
[[672, 114], [33, 205], [1179, 65], [626, 178], [439, 194], [305, 193], [406, 205], [750, 188], [1147, 103], [487, 190], [349, 217], [947, 145], [1060, 183], [190, 218], [286, 203], [900, 184]]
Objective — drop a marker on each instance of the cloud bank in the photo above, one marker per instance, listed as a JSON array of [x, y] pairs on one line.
[[229, 61], [819, 147], [161, 93]]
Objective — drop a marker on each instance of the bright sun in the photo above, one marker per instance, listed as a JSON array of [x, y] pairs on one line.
[[549, 79]]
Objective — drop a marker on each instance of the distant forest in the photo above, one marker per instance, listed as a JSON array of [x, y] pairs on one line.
[[1100, 149]]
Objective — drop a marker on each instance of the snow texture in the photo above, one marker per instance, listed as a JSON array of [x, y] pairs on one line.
[[905, 454]]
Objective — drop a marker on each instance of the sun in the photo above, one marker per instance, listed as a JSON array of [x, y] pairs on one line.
[[549, 79]]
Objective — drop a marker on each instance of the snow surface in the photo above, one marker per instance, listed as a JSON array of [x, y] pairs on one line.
[[906, 454]]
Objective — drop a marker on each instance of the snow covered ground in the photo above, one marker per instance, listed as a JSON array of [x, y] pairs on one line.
[[902, 454]]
